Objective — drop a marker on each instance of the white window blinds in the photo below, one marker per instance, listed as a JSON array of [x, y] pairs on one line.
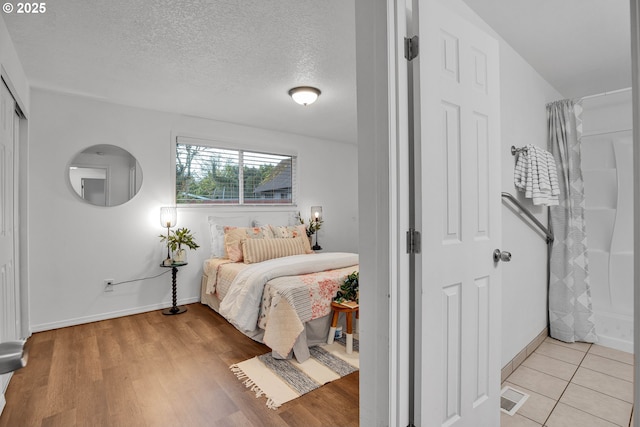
[[207, 173]]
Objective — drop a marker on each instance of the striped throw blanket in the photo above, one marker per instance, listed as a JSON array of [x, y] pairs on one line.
[[535, 174]]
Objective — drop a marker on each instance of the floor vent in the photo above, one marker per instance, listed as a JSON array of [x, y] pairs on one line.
[[511, 400]]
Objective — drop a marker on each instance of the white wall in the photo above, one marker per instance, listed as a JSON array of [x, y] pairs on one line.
[[75, 246], [524, 280]]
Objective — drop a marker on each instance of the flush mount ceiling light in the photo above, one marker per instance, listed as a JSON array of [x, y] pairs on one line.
[[304, 95]]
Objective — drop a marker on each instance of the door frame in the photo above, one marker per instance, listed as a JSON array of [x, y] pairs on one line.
[[382, 153], [635, 85]]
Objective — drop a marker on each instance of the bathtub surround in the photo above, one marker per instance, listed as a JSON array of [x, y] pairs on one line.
[[607, 168], [570, 312]]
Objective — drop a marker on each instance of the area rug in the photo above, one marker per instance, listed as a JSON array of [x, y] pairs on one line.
[[283, 380]]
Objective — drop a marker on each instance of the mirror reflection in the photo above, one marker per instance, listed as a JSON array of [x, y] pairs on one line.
[[105, 175]]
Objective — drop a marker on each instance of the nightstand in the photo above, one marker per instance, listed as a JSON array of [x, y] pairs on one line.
[[174, 272]]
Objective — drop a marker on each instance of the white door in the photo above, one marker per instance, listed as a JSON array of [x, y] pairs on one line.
[[93, 190], [9, 295], [459, 209]]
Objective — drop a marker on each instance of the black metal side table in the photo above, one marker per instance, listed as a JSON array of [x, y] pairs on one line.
[[174, 272]]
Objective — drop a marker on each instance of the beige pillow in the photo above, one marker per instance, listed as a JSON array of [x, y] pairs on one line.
[[233, 237], [258, 250], [293, 232]]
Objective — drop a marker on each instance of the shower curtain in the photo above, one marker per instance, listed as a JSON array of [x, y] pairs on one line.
[[570, 313]]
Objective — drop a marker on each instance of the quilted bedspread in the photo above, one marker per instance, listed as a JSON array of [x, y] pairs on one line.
[[279, 295]]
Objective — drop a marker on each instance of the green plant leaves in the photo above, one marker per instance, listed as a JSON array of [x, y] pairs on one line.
[[349, 289], [179, 237]]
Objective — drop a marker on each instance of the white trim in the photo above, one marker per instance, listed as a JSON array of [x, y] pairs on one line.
[[635, 82], [395, 32], [374, 228], [227, 143], [109, 315], [241, 148], [23, 263], [240, 209], [4, 75], [107, 179], [398, 212], [17, 224]]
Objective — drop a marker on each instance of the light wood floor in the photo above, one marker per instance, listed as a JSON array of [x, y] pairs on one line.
[[156, 370]]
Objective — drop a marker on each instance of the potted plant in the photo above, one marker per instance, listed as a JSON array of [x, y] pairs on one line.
[[349, 290], [175, 240], [314, 225]]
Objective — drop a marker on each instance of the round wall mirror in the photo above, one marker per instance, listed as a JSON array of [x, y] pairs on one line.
[[105, 175]]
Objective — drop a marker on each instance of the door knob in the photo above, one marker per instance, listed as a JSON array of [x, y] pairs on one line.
[[499, 255]]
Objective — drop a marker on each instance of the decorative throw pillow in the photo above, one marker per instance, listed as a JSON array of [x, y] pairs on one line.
[[293, 232], [233, 237], [258, 250], [216, 230], [217, 240], [285, 231]]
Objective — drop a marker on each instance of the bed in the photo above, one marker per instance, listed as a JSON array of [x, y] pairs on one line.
[[266, 281]]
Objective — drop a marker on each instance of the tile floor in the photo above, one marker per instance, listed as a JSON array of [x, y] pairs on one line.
[[575, 384]]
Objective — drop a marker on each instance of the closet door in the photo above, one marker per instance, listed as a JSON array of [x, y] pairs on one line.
[[459, 209], [9, 295]]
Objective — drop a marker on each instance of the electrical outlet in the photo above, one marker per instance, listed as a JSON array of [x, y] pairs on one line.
[[108, 285]]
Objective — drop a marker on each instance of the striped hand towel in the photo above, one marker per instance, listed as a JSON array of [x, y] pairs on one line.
[[535, 174]]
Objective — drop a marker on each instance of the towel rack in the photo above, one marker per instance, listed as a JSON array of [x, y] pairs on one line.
[[529, 215], [515, 150]]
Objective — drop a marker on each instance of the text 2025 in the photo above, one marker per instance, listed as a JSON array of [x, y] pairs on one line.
[[31, 7]]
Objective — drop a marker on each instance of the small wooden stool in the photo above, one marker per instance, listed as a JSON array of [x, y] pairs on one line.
[[337, 309]]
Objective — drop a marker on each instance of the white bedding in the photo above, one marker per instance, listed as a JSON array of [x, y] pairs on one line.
[[241, 305]]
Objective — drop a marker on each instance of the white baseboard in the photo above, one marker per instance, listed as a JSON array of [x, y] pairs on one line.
[[3, 402], [104, 316]]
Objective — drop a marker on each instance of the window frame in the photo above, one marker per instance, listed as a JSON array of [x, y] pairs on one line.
[[241, 148]]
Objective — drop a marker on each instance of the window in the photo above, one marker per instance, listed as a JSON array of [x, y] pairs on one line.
[[209, 175]]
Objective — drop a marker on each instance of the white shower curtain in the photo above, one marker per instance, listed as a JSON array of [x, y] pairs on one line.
[[570, 313]]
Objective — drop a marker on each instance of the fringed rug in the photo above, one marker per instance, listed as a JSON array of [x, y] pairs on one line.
[[283, 380]]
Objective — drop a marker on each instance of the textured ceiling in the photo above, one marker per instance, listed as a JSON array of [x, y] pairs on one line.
[[225, 59], [235, 60], [581, 47]]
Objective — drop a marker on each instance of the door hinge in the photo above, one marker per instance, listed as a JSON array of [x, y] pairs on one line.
[[411, 48], [413, 241]]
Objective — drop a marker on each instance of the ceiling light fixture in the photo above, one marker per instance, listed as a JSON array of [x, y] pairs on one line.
[[304, 95]]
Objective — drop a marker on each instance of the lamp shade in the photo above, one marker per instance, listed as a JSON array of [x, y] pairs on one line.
[[316, 213], [304, 95], [168, 216]]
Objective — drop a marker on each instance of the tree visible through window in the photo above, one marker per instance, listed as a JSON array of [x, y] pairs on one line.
[[209, 175]]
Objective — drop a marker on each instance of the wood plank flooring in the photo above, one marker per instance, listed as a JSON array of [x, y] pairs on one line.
[[155, 370]]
